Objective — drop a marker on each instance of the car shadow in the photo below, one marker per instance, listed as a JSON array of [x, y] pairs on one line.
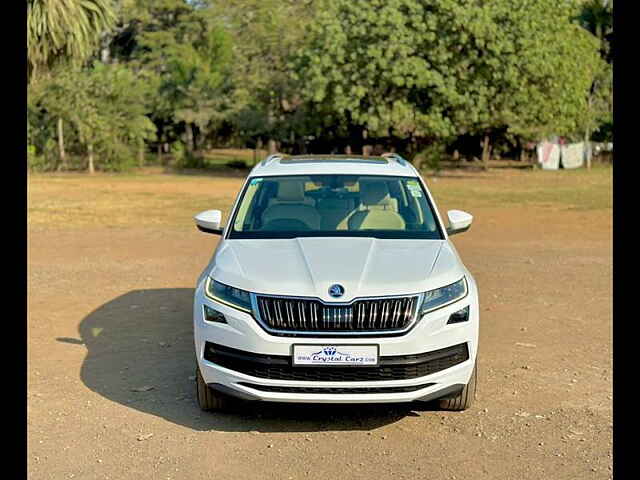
[[140, 354]]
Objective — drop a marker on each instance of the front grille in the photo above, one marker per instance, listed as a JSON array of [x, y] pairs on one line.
[[309, 315], [339, 390], [278, 367]]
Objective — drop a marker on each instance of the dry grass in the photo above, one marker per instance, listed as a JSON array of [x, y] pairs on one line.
[[578, 189], [76, 201]]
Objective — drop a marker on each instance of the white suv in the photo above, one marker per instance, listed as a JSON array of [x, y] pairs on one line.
[[335, 282]]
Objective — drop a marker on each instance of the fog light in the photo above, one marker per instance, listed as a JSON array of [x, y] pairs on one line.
[[211, 315], [459, 316]]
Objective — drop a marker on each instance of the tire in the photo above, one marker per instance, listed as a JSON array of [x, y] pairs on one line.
[[465, 398], [208, 399]]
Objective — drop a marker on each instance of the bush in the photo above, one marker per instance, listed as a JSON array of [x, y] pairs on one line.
[[184, 159], [241, 164], [44, 159], [104, 106], [430, 157], [35, 162]]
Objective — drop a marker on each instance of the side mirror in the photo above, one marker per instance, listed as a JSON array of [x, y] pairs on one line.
[[459, 221], [209, 221]]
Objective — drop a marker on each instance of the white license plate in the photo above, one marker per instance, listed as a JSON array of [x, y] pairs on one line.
[[329, 355]]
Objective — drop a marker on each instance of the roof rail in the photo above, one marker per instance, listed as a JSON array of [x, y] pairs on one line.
[[270, 158], [395, 157]]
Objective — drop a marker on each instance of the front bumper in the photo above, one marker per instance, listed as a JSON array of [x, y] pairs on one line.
[[245, 338]]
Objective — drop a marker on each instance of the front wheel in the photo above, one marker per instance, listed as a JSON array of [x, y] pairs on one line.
[[208, 399], [465, 398]]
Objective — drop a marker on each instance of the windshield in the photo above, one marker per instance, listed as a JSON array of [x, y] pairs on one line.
[[336, 206]]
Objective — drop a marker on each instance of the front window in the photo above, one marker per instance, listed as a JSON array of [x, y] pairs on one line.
[[334, 206]]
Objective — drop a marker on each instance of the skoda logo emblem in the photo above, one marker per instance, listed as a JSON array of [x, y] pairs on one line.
[[336, 291]]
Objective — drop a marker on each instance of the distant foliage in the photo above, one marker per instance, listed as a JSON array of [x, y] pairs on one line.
[[105, 108], [441, 68], [113, 80], [596, 16], [191, 57], [266, 35]]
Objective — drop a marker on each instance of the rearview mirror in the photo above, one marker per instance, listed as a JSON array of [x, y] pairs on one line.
[[459, 221], [209, 221]]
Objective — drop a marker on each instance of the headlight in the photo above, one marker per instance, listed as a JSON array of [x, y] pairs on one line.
[[440, 297], [231, 296]]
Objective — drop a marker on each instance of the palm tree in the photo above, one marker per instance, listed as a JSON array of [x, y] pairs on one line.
[[64, 30]]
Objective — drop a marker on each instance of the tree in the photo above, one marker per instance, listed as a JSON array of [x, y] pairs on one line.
[[64, 31], [263, 52], [436, 69], [596, 16], [180, 44], [194, 87], [106, 106]]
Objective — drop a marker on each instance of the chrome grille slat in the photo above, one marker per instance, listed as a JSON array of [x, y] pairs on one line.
[[385, 315], [397, 305], [311, 315], [408, 312], [372, 315]]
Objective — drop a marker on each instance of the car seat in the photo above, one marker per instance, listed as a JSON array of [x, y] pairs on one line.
[[377, 211], [290, 203]]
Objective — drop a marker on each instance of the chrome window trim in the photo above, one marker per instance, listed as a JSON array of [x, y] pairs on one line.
[[319, 333]]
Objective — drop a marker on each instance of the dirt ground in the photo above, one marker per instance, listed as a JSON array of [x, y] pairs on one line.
[[112, 264]]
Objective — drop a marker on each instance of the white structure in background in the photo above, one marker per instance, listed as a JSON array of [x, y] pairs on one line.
[[573, 155], [552, 155], [548, 155]]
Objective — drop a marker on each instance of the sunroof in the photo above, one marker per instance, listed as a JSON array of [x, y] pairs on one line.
[[290, 161]]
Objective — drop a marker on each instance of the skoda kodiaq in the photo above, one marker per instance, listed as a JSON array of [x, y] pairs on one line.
[[335, 282]]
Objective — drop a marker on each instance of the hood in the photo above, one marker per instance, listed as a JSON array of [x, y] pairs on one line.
[[363, 266]]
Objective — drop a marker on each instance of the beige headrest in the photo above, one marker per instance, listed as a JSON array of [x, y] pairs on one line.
[[290, 191], [374, 192]]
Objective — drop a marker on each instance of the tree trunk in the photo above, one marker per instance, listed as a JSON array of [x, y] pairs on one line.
[[347, 150], [90, 150], [587, 134], [271, 143], [587, 145], [159, 154], [199, 140], [141, 154], [63, 156], [256, 152], [486, 152], [189, 139]]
